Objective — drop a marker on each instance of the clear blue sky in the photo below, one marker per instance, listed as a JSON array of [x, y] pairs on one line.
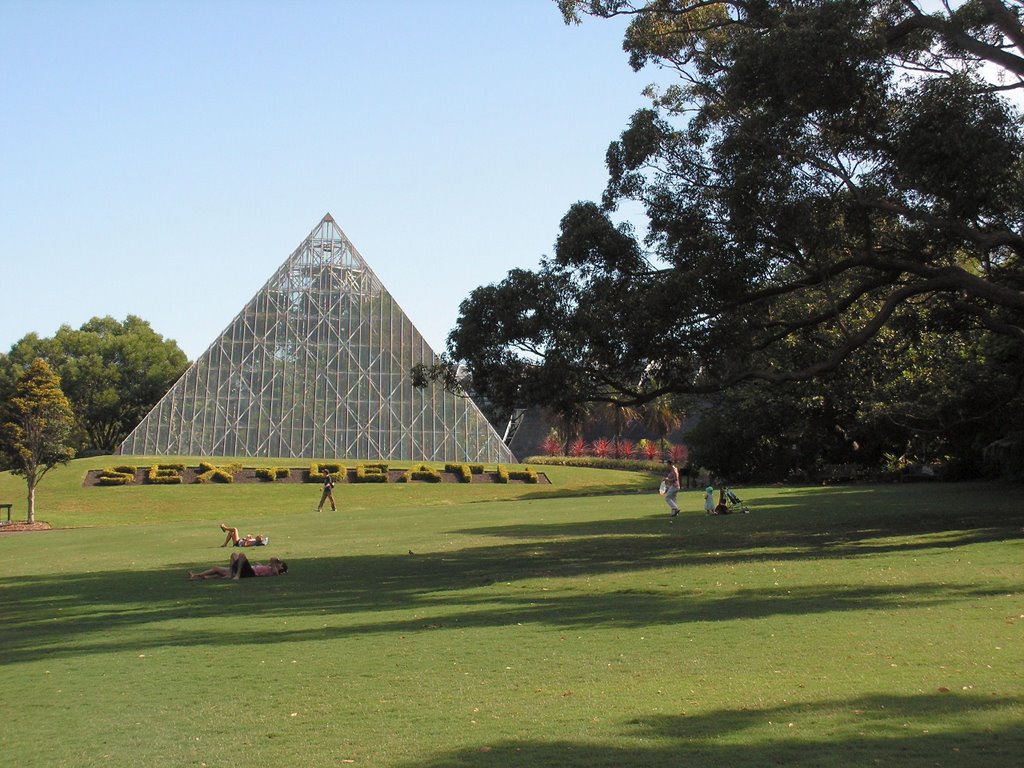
[[162, 158]]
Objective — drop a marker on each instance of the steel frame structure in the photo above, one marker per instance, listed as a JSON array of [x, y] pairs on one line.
[[317, 365]]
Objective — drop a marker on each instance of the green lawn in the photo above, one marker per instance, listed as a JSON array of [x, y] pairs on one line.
[[564, 625]]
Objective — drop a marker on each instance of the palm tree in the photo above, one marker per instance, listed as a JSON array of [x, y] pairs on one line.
[[662, 416], [621, 417]]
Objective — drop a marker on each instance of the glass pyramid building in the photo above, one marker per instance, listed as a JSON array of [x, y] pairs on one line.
[[317, 365]]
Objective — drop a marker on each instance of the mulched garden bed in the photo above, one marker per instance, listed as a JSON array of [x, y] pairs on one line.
[[24, 527], [301, 475]]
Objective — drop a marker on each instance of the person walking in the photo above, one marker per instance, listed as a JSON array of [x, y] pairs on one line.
[[672, 487], [328, 493]]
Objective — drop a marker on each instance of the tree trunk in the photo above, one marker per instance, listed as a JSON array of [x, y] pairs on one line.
[[31, 501]]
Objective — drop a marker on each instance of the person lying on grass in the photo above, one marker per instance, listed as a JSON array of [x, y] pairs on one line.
[[249, 540], [241, 568]]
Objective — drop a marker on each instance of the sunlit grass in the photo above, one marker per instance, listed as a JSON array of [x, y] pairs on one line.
[[516, 626]]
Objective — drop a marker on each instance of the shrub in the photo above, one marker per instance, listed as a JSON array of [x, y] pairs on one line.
[[527, 474], [648, 448], [371, 473], [318, 471], [462, 471], [601, 447], [502, 471], [551, 445], [210, 473], [421, 472], [640, 465], [680, 454], [272, 473], [123, 475], [165, 474], [624, 449], [578, 447]]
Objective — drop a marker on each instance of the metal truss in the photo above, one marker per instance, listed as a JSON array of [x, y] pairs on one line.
[[317, 366]]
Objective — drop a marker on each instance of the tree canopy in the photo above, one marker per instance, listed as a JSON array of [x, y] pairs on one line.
[[112, 372], [818, 176], [36, 426]]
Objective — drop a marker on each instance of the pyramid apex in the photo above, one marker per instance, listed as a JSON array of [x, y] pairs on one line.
[[328, 218]]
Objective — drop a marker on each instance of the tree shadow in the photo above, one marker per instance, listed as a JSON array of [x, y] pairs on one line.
[[872, 730], [71, 614]]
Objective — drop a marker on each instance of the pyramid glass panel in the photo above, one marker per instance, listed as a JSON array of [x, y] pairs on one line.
[[317, 365]]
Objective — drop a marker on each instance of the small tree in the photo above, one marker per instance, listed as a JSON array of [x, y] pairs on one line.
[[37, 427]]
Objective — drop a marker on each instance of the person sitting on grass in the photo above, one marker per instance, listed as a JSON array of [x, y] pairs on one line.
[[241, 568], [249, 540]]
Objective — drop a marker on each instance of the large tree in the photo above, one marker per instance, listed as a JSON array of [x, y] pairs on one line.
[[36, 425], [817, 171], [112, 372]]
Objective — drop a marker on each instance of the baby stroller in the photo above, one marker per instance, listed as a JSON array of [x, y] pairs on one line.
[[729, 503], [733, 503]]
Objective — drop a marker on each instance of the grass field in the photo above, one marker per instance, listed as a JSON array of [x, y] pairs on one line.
[[564, 625]]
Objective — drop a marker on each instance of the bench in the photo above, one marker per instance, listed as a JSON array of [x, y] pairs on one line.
[[8, 508]]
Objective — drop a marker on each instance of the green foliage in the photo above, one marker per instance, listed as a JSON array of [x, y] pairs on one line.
[[810, 208], [121, 475], [318, 471], [272, 473], [37, 422], [209, 473], [422, 472], [112, 372], [502, 475], [463, 471], [636, 465], [526, 474], [165, 474], [371, 473]]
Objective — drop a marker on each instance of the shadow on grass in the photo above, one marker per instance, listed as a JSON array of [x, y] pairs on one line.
[[72, 614], [485, 586], [867, 731]]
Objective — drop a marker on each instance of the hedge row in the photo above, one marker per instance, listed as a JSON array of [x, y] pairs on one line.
[[208, 473], [527, 475], [422, 473], [639, 465], [122, 475], [272, 473], [372, 472], [166, 474]]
